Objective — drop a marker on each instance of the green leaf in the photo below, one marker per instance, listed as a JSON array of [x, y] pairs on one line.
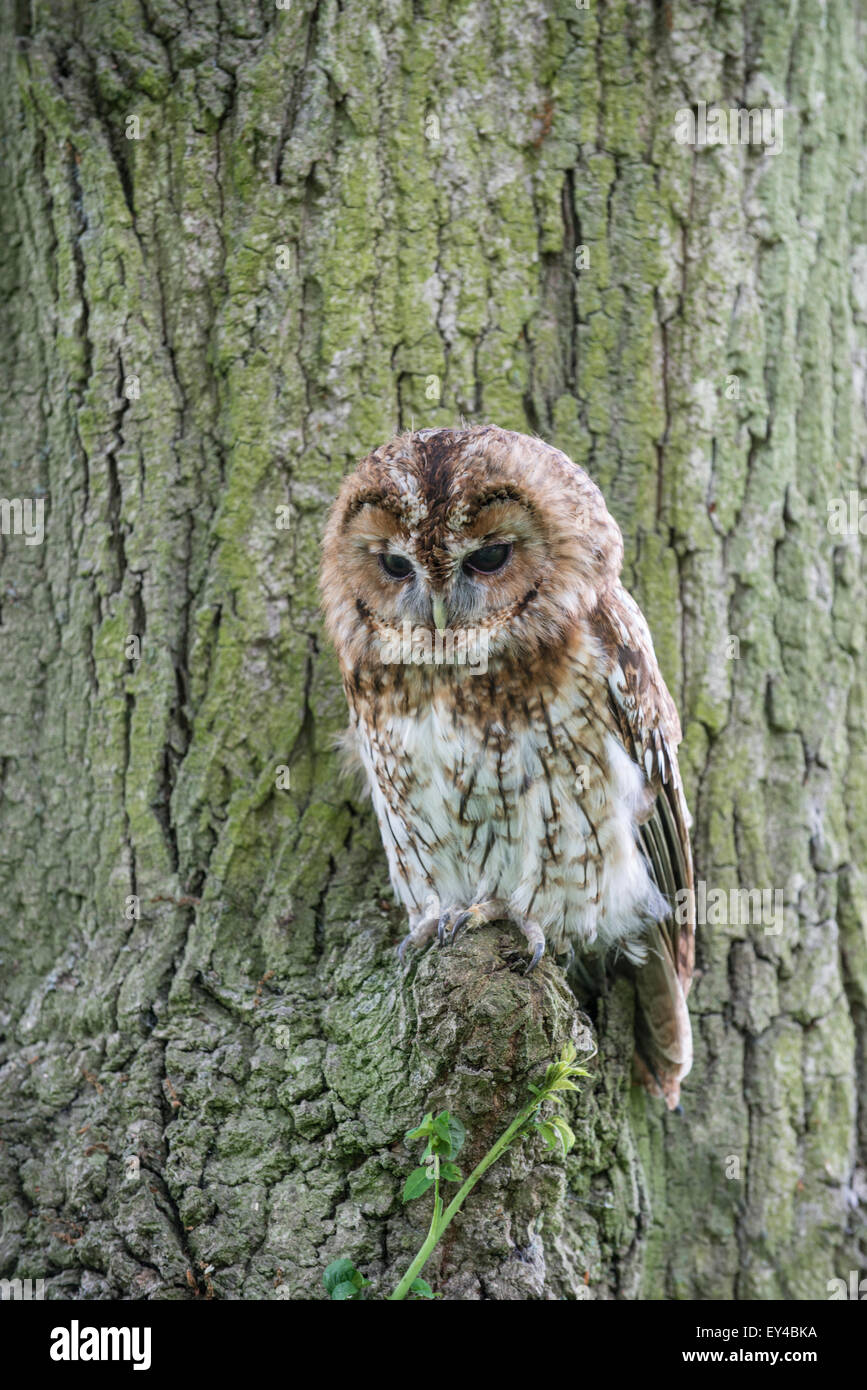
[[441, 1127], [548, 1133], [344, 1291], [567, 1138], [426, 1127], [416, 1184], [338, 1272], [421, 1288], [457, 1136], [450, 1172]]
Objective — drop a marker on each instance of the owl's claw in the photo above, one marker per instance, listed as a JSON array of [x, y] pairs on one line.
[[449, 924], [536, 938], [422, 928], [538, 953], [461, 922], [457, 918]]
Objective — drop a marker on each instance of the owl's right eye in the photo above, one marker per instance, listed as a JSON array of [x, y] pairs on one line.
[[396, 566]]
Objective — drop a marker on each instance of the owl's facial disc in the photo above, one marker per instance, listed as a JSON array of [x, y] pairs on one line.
[[462, 564], [475, 528]]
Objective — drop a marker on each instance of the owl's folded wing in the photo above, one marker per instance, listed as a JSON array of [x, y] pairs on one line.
[[647, 723]]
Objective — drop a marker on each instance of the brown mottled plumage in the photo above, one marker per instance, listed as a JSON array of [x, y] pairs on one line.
[[535, 779]]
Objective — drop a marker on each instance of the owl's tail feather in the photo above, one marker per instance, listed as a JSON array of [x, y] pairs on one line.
[[663, 1035]]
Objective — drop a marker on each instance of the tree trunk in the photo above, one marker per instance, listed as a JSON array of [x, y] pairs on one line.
[[242, 245]]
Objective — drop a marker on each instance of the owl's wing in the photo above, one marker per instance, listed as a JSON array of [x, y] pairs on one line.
[[646, 720]]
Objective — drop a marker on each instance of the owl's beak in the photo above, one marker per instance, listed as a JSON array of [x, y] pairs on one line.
[[440, 615]]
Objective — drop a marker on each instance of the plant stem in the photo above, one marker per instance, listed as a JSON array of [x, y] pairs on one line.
[[457, 1202], [438, 1206]]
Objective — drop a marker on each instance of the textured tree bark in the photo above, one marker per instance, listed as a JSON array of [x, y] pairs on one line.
[[241, 245]]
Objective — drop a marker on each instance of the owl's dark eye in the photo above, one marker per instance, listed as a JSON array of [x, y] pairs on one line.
[[396, 566], [488, 560]]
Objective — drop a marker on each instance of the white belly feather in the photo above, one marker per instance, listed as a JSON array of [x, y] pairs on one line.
[[548, 827]]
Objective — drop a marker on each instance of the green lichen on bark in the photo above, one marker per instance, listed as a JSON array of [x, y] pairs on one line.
[[339, 221]]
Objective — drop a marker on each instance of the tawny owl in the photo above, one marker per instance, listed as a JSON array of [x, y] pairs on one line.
[[507, 707]]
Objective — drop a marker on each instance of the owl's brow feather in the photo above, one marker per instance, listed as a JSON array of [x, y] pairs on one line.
[[501, 493], [438, 496], [373, 497]]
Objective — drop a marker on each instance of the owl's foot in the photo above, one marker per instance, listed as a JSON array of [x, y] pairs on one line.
[[454, 919], [447, 925], [536, 938], [421, 929]]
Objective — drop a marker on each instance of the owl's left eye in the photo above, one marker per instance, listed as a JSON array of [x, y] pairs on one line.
[[489, 559], [396, 566]]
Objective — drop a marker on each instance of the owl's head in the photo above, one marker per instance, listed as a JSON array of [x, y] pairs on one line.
[[478, 528]]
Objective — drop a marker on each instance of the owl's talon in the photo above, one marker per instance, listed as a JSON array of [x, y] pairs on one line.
[[461, 921], [536, 939], [422, 926], [454, 919], [538, 953]]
